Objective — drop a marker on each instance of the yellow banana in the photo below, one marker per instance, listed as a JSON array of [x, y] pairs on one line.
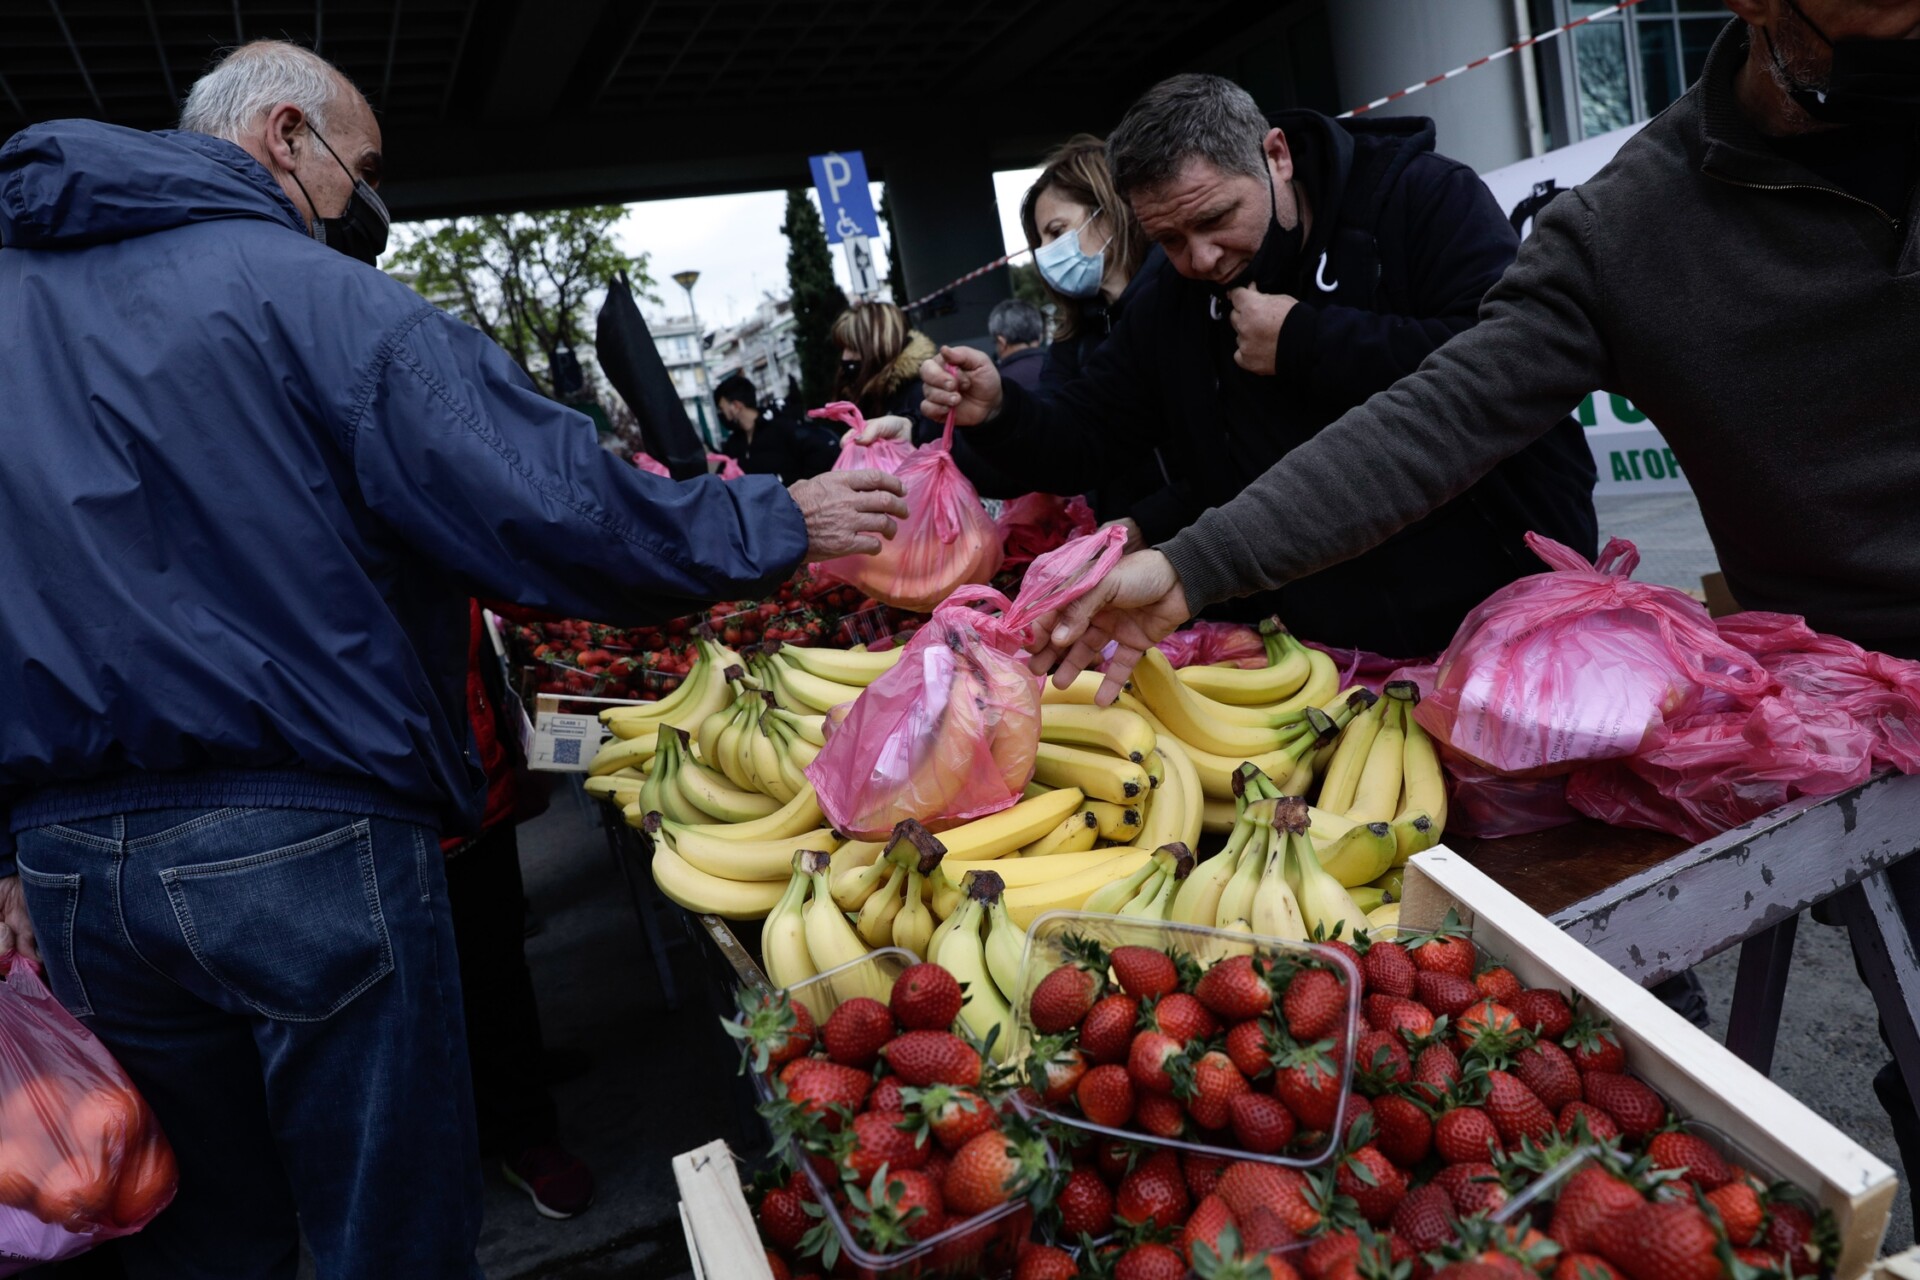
[[1300, 782], [616, 788], [765, 761], [1360, 856], [1329, 910], [798, 816], [1148, 893], [858, 876], [1424, 785], [1384, 921], [707, 735], [913, 923], [783, 938], [1074, 833], [1070, 892], [1392, 883], [787, 756], [1236, 898], [1376, 798], [1259, 687], [843, 666], [1413, 835], [796, 748], [875, 923], [1198, 901], [810, 729], [1184, 775], [813, 694], [831, 941], [729, 744], [1015, 827], [662, 788], [1006, 945], [947, 922], [1098, 775], [622, 753], [1368, 898], [1119, 823], [1276, 912], [1216, 816], [1115, 730], [640, 720], [743, 859], [1342, 776], [945, 883], [711, 793], [1323, 683], [963, 954], [697, 891], [1202, 722], [1107, 899]]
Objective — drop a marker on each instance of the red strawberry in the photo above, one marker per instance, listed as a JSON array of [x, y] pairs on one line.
[[1388, 969], [1545, 1068], [1435, 1070], [926, 998], [855, 1031], [1516, 1110], [1262, 1230], [1106, 1095], [1398, 1014], [1108, 1029], [1045, 1262], [1332, 1255], [876, 1138], [1694, 1156], [1182, 1017], [818, 1085], [1445, 993], [990, 1170], [1445, 952], [1478, 1269], [1062, 999], [1065, 1067], [1356, 1107], [1315, 1003], [774, 1029], [1210, 1219], [1401, 1129], [1380, 1060], [1307, 1081], [1236, 989], [778, 1266], [1144, 971], [1790, 1235], [1208, 1087], [1637, 1109], [1595, 1046], [1544, 1012], [1250, 1185], [1464, 1135], [1488, 1026], [1201, 1172], [1661, 1242], [1260, 1123], [933, 1057], [1085, 1204], [783, 1218], [907, 1208], [1600, 1125], [1150, 1262], [1159, 1114], [1475, 1188], [1247, 1046], [1425, 1217], [1373, 1181], [1155, 1191], [1113, 1157], [1740, 1209], [1497, 983], [956, 1115], [888, 1094], [1584, 1266], [1153, 1052], [1591, 1198]]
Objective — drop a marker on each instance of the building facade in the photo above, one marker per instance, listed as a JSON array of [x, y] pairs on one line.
[[759, 348]]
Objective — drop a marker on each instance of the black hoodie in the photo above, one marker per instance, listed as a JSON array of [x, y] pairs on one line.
[[1403, 244]]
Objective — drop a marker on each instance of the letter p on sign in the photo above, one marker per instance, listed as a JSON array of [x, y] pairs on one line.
[[846, 207]]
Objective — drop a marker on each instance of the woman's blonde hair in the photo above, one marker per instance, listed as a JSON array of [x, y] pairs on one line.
[[1077, 169], [878, 331]]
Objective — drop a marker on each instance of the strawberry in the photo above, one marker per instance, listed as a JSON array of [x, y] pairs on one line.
[[1236, 988], [1372, 1181], [1107, 1030], [906, 1209], [1155, 1191], [1331, 1255], [1497, 983], [1599, 1125], [933, 1057], [1247, 1046], [855, 1031], [1380, 1060], [955, 1115], [1106, 1095], [1160, 1114], [1306, 1080], [1045, 1262], [1149, 1059], [773, 1029], [783, 1218], [1425, 1217], [1637, 1109], [1346, 949], [1435, 1070], [1507, 1269], [1113, 1157], [1489, 1028], [990, 1170], [1150, 1262], [1388, 969], [1262, 1124], [1516, 1110], [1594, 1045], [1545, 1068], [1447, 951], [777, 1265], [1401, 1129], [1584, 1266], [1791, 1235], [1209, 1221], [1398, 1014], [1356, 1107], [926, 998], [1447, 994], [1464, 1135], [889, 1093], [1208, 1086], [1264, 1230], [1693, 1156], [1661, 1242], [1591, 1198], [1315, 1003], [1180, 1016], [816, 1085], [1475, 1187], [1544, 1012], [1739, 1207], [876, 1138], [1085, 1204], [1250, 1185], [1062, 999], [1201, 1172], [1144, 971], [1063, 1067]]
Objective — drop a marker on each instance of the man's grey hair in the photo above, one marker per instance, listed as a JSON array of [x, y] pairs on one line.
[[253, 79], [1185, 118], [1016, 321]]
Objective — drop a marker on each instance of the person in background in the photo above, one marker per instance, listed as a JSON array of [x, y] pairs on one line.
[[880, 358], [1017, 328], [772, 438]]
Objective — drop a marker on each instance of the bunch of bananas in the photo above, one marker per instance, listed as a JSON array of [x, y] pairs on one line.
[[701, 692], [1385, 769], [812, 682]]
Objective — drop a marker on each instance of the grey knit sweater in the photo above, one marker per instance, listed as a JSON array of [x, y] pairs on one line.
[[1766, 320]]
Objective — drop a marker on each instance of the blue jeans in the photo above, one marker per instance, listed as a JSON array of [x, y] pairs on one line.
[[282, 986]]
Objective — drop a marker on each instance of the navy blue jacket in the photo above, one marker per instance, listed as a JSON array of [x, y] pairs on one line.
[[1403, 244], [249, 486]]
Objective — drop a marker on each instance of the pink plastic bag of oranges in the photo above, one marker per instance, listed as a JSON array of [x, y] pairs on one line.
[[945, 541], [949, 734]]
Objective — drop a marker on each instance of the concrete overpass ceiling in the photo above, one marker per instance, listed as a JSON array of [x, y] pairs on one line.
[[497, 104]]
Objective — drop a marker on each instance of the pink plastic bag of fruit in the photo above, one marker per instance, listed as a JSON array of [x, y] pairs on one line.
[[882, 455], [949, 733], [1580, 664], [946, 540], [1035, 523], [82, 1159], [718, 463], [1880, 691], [1215, 643]]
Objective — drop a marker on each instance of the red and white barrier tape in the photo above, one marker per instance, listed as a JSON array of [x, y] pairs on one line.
[[971, 276]]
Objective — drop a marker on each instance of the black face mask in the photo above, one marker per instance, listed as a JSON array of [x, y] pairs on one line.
[[1872, 81], [361, 231], [1277, 260]]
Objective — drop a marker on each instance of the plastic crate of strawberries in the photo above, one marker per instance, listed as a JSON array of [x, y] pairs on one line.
[[907, 1156]]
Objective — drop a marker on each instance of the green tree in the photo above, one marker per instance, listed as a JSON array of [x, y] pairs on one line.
[[1027, 286], [524, 279], [817, 299], [896, 274]]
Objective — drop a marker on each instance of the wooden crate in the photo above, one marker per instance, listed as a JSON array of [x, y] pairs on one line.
[[1695, 1073], [1900, 1266], [721, 1237]]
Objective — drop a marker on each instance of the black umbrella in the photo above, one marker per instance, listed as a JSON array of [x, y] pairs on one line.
[[633, 366]]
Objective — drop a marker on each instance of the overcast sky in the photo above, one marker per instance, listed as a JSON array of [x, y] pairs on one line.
[[734, 242]]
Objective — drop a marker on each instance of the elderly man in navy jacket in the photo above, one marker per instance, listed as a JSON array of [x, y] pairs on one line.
[[250, 485]]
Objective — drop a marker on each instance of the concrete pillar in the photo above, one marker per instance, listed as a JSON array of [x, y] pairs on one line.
[[1383, 45], [943, 209]]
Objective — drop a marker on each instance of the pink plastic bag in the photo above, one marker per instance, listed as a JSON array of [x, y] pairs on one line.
[[82, 1158], [1580, 664], [949, 733], [1880, 691], [881, 455], [946, 539], [1035, 523], [728, 468], [1216, 643]]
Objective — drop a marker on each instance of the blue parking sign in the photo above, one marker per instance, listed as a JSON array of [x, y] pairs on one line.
[[845, 206]]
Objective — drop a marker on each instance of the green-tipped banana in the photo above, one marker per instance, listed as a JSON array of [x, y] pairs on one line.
[[1236, 900], [917, 849], [831, 941], [963, 954], [1276, 912], [1115, 894], [1006, 944], [1393, 884], [783, 938], [1368, 898], [1362, 855], [875, 924], [1324, 902]]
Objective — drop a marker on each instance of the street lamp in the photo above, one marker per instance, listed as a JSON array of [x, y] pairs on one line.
[[686, 280]]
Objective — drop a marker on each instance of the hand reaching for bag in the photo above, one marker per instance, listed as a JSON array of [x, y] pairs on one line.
[[1137, 605], [16, 929], [886, 427], [962, 381], [848, 512]]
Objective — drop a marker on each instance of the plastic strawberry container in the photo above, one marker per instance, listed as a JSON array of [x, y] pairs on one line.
[[985, 1245], [1044, 952]]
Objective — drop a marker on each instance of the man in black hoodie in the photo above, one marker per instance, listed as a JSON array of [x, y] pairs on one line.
[[1309, 263]]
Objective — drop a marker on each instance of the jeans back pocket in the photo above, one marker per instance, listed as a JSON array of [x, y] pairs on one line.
[[53, 901], [295, 933]]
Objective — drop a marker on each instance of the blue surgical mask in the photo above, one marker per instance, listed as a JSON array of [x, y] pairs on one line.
[[1072, 272]]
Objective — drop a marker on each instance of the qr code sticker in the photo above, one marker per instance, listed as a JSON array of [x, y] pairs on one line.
[[566, 751]]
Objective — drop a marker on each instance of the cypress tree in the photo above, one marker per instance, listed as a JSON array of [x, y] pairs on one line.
[[817, 299], [896, 275]]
